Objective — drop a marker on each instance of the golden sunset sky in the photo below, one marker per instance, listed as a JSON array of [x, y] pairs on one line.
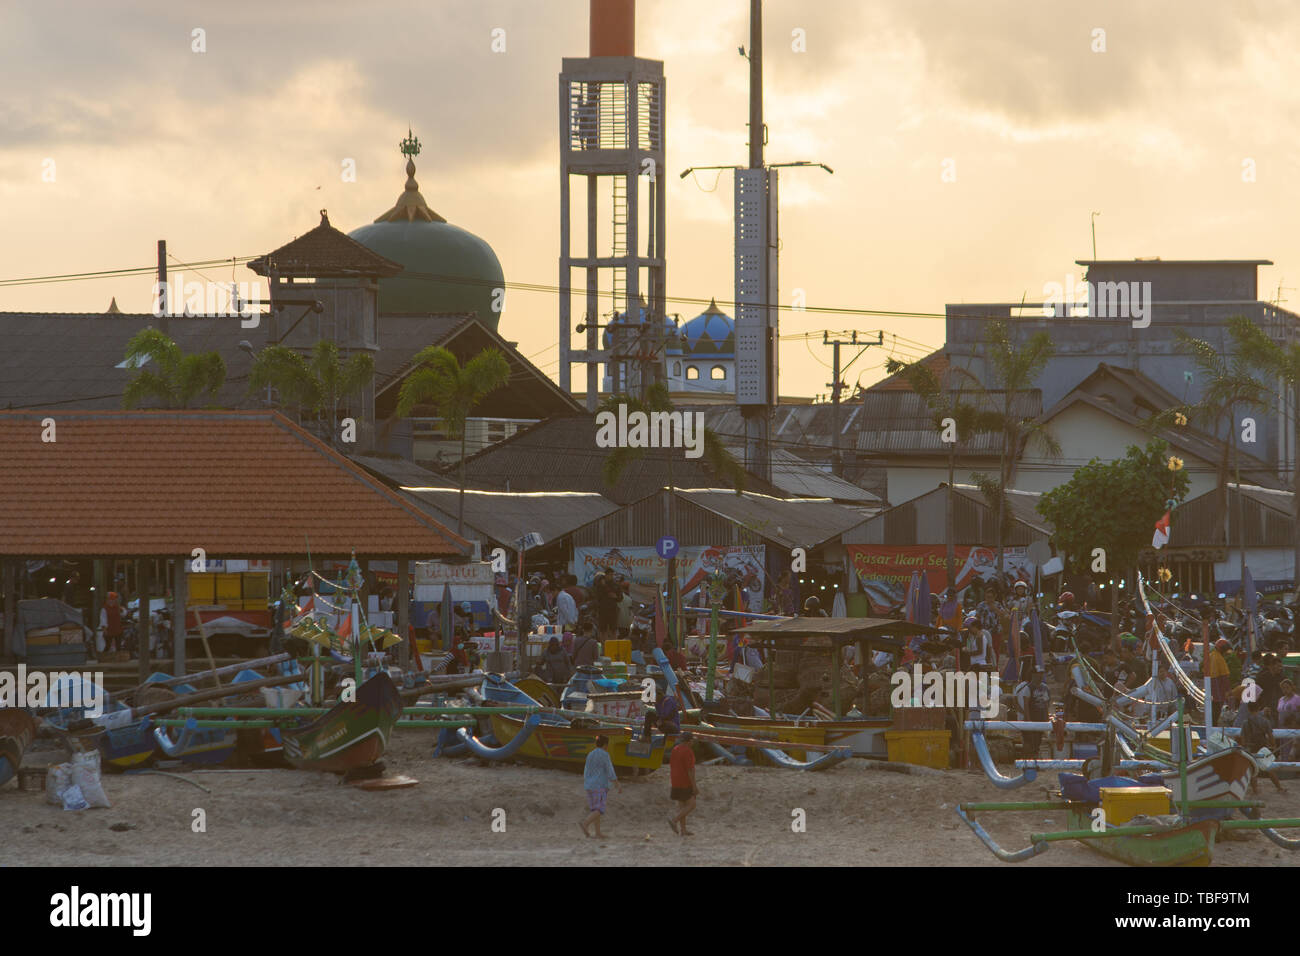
[[232, 152]]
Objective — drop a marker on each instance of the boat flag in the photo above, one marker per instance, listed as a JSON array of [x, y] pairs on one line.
[[1037, 631], [1011, 673], [1249, 605], [1161, 537]]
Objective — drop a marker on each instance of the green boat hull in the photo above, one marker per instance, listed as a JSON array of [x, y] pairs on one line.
[[1188, 845]]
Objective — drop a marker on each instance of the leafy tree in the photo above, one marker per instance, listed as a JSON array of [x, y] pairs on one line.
[[722, 462], [1280, 361], [313, 386], [1113, 506], [175, 379], [453, 389], [1014, 369], [968, 419]]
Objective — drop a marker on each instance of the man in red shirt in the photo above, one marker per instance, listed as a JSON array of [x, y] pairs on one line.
[[684, 791]]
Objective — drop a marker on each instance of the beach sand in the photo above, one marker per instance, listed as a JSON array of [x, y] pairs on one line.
[[854, 816]]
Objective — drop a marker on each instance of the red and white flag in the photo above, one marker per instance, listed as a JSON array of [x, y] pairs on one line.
[[1161, 537]]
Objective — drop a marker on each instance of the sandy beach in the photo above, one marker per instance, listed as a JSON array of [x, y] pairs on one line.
[[855, 816]]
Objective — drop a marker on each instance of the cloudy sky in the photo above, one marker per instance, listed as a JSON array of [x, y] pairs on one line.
[[1183, 133]]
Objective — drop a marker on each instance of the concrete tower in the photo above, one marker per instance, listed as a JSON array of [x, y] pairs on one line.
[[612, 134]]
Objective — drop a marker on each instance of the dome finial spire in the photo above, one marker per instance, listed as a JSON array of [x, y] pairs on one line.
[[410, 205]]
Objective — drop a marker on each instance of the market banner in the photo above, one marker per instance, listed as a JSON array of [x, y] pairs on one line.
[[647, 572], [884, 571]]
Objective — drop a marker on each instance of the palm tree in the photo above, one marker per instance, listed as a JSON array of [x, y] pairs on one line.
[[454, 389], [1228, 386], [314, 386], [177, 379], [969, 419], [1015, 368], [722, 462], [1282, 361]]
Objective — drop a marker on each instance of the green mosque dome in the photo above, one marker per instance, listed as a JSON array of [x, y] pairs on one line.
[[447, 269]]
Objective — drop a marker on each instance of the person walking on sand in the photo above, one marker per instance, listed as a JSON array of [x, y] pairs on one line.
[[597, 775], [684, 791]]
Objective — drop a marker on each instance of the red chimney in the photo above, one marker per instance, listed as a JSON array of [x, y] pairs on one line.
[[613, 27]]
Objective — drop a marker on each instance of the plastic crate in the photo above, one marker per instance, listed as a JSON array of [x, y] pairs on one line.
[[201, 588], [619, 651], [230, 587], [921, 748], [1122, 804]]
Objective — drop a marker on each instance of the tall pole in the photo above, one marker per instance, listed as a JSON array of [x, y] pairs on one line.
[[837, 456], [756, 131], [164, 298]]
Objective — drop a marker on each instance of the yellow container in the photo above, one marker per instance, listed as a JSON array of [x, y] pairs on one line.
[[255, 586], [1122, 804], [255, 604], [921, 748], [229, 588], [1161, 741], [424, 647], [619, 651], [202, 589]]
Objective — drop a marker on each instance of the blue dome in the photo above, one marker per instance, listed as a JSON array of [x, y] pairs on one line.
[[711, 333]]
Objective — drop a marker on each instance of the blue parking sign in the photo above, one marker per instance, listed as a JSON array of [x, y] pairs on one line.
[[666, 547]]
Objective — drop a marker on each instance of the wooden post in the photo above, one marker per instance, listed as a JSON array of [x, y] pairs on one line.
[[404, 612], [837, 656], [11, 605], [180, 600], [142, 622]]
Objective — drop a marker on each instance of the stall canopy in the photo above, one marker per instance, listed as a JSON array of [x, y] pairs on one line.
[[837, 631]]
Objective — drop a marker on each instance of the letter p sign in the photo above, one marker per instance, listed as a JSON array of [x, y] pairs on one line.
[[666, 547]]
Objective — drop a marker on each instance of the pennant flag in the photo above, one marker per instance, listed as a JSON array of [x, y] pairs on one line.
[[1161, 537], [661, 619]]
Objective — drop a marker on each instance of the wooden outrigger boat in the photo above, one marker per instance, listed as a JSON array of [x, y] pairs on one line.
[[351, 735], [863, 736], [16, 732], [553, 740], [1185, 837]]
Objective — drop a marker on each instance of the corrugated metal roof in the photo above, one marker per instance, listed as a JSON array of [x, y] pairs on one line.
[[719, 517], [1265, 519], [899, 422], [795, 522], [802, 479], [497, 515], [974, 522], [560, 454]]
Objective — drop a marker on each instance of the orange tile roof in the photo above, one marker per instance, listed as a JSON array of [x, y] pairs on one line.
[[161, 483]]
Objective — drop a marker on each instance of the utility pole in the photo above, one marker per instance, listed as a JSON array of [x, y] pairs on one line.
[[836, 386], [164, 300]]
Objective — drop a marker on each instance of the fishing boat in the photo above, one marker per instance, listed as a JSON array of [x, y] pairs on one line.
[[351, 735], [863, 736], [207, 746], [16, 731], [126, 740], [554, 740]]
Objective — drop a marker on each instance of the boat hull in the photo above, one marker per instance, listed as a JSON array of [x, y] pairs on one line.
[[864, 737], [567, 747], [1226, 775], [1188, 845], [351, 735], [16, 732]]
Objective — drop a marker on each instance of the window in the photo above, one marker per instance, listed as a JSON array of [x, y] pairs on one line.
[[677, 370], [719, 373], [692, 372]]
